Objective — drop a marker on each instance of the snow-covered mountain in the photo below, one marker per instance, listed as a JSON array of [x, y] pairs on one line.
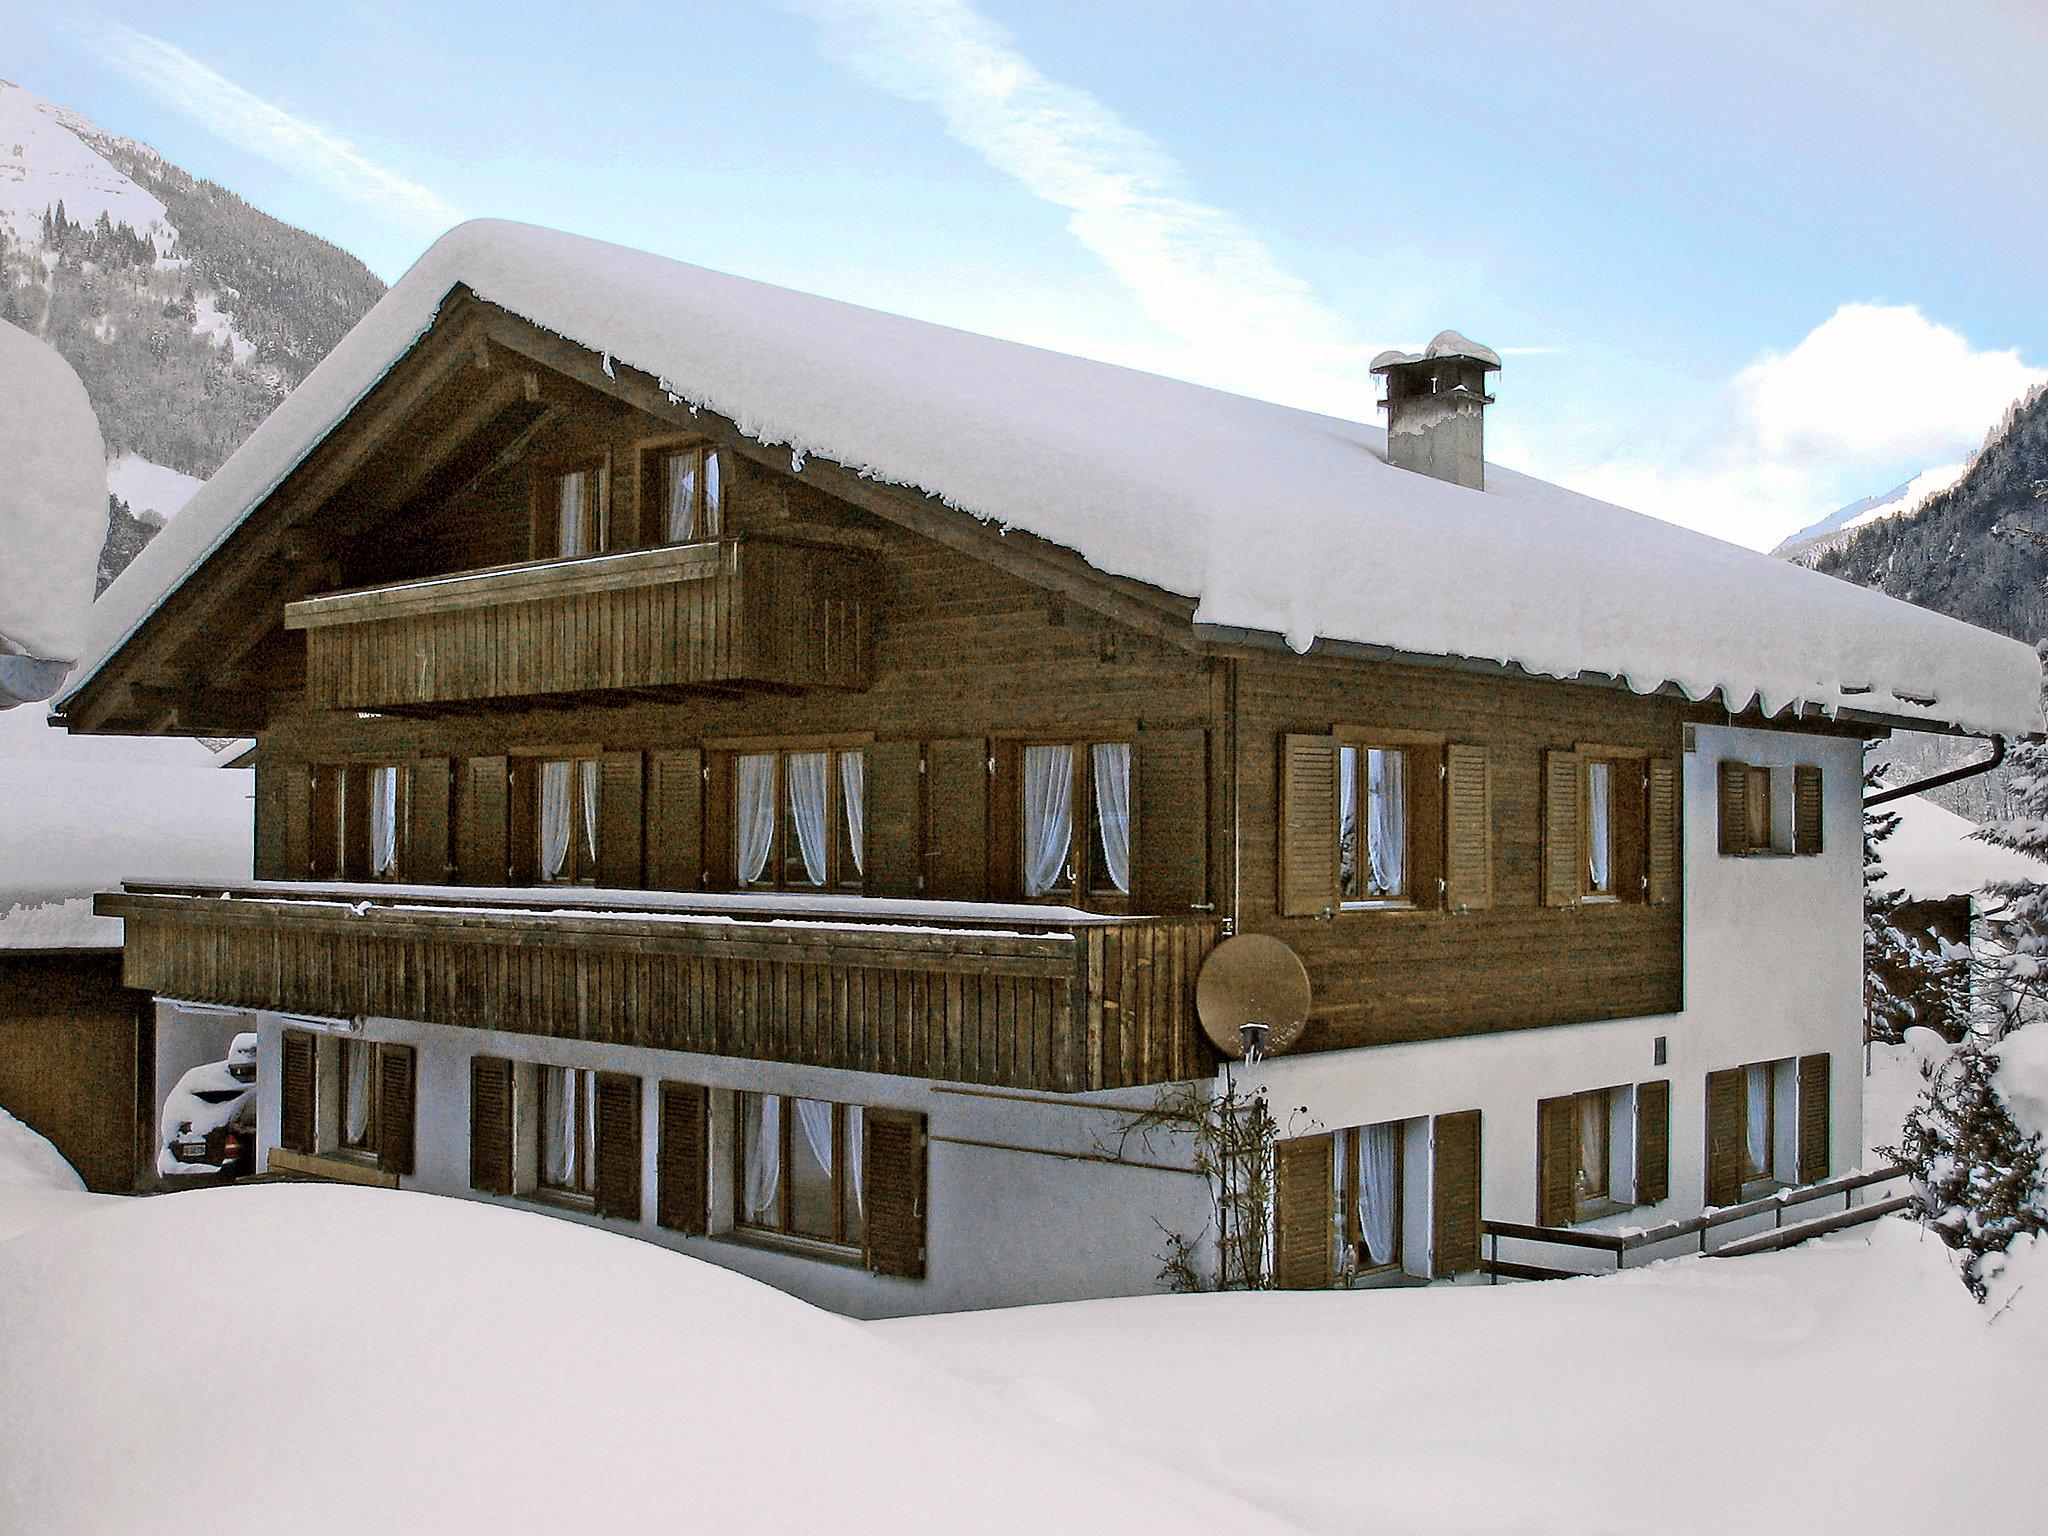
[[1838, 527], [188, 314]]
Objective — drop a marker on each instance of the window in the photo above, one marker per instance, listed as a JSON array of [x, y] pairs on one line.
[[1760, 1118], [689, 493], [1069, 786], [564, 795], [799, 1168], [1770, 810], [565, 1133], [1370, 1173], [360, 813], [569, 510], [388, 789], [1590, 1155], [356, 1106], [1599, 829], [1594, 1181], [799, 819], [1372, 862]]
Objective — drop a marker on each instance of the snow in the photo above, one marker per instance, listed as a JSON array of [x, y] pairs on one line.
[[150, 487], [1933, 854], [29, 1161], [53, 498], [1896, 1076], [80, 813], [2023, 1078], [1274, 520], [219, 329], [1700, 1395], [321, 1359], [43, 159]]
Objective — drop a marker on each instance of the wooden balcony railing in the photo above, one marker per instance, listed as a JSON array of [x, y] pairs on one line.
[[734, 612], [1024, 997]]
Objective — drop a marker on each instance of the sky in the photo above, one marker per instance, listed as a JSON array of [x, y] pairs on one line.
[[1745, 262]]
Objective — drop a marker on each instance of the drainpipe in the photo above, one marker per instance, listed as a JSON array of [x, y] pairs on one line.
[[1935, 781]]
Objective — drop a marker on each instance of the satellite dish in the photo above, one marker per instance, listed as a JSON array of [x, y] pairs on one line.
[[1252, 983]]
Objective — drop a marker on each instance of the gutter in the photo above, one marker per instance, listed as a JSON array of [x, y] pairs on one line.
[[1935, 781]]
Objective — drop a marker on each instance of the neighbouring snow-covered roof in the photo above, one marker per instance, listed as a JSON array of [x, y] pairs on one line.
[[53, 499], [1933, 854], [1274, 520]]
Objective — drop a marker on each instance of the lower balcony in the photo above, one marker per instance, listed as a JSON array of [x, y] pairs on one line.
[[1019, 997]]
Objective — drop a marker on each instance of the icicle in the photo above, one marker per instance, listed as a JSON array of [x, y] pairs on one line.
[[608, 366], [796, 461]]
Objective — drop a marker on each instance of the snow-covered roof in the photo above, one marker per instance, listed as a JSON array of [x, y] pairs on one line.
[[1274, 520], [53, 500], [1933, 854]]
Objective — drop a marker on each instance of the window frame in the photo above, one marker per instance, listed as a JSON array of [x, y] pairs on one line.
[[775, 873], [1758, 1181], [525, 773], [338, 835], [843, 1242], [1076, 893], [545, 497], [583, 1194], [337, 1143], [1586, 1199], [708, 519], [1423, 749], [1355, 1258], [1628, 771]]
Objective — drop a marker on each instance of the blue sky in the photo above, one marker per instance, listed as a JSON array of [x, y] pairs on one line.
[[1747, 261]]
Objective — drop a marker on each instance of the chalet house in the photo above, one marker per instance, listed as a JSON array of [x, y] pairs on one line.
[[766, 776]]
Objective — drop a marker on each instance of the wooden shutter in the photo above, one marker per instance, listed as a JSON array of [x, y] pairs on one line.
[[483, 851], [1454, 1213], [426, 852], [895, 817], [1170, 827], [295, 1092], [956, 858], [1557, 1162], [324, 789], [618, 1146], [1564, 857], [675, 819], [522, 821], [1806, 808], [719, 852], [298, 819], [1425, 769], [893, 1185], [682, 1193], [1304, 1211], [490, 1125], [1727, 1122], [620, 789], [1661, 857], [271, 837], [1653, 1142], [1468, 829], [1814, 1121], [355, 822], [1734, 785], [395, 1108], [1628, 796], [1308, 826]]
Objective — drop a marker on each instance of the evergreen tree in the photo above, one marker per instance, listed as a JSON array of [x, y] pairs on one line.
[[1976, 1179], [2022, 921], [1907, 980]]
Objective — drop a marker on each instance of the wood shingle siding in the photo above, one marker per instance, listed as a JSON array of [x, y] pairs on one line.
[[490, 1124], [1304, 1209], [1653, 1142], [396, 1094], [894, 1150], [682, 1194], [1557, 1162], [1454, 1191], [618, 1146], [1815, 1125], [296, 1092], [1806, 809], [1727, 1103], [1468, 829]]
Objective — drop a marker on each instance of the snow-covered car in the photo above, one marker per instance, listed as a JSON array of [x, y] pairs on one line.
[[209, 1120]]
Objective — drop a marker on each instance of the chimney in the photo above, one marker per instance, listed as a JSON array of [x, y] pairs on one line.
[[1436, 408]]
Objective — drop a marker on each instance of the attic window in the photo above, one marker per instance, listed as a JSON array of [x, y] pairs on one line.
[[569, 510], [688, 483]]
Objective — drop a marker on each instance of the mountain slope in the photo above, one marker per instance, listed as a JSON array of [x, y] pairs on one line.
[[1839, 527]]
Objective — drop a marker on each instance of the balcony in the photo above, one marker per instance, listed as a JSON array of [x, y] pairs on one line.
[[1027, 997], [735, 613]]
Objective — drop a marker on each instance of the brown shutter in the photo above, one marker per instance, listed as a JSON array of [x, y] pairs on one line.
[[522, 821], [482, 852], [1806, 808], [1308, 826], [1557, 1162], [956, 859], [355, 822], [893, 1185], [1727, 1120], [1814, 1121], [295, 1092], [1653, 1142], [272, 839], [1455, 1195], [1468, 829], [675, 819], [426, 853], [1170, 831], [621, 786], [490, 1125], [1734, 782], [298, 819], [395, 1112], [682, 1191], [1628, 828], [1662, 854], [895, 816], [1304, 1211], [618, 1146], [324, 789], [719, 852], [1564, 859], [1425, 767]]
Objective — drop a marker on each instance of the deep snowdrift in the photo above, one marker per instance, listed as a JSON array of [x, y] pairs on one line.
[[1276, 520], [53, 499], [29, 1160], [310, 1358]]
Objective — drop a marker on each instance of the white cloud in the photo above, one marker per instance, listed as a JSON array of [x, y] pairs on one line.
[[251, 123]]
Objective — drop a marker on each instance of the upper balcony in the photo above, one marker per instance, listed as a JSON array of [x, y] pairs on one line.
[[743, 612]]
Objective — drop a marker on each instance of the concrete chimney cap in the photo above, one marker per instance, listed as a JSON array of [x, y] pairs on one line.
[[1451, 344]]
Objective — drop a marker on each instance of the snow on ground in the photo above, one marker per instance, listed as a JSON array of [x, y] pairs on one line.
[[1274, 520], [43, 160], [1932, 854], [318, 1359], [1892, 1086], [150, 487], [219, 328], [1786, 1392], [53, 499]]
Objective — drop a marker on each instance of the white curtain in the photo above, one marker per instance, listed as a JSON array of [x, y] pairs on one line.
[[682, 496], [1347, 822], [713, 490], [1379, 1189], [586, 773], [1048, 817], [383, 821], [1599, 868], [573, 516], [854, 1154], [761, 1132], [1760, 1117], [1112, 762], [757, 814], [853, 800], [1593, 1110], [814, 1119], [355, 1073], [556, 814], [806, 771], [561, 1141], [1386, 815]]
